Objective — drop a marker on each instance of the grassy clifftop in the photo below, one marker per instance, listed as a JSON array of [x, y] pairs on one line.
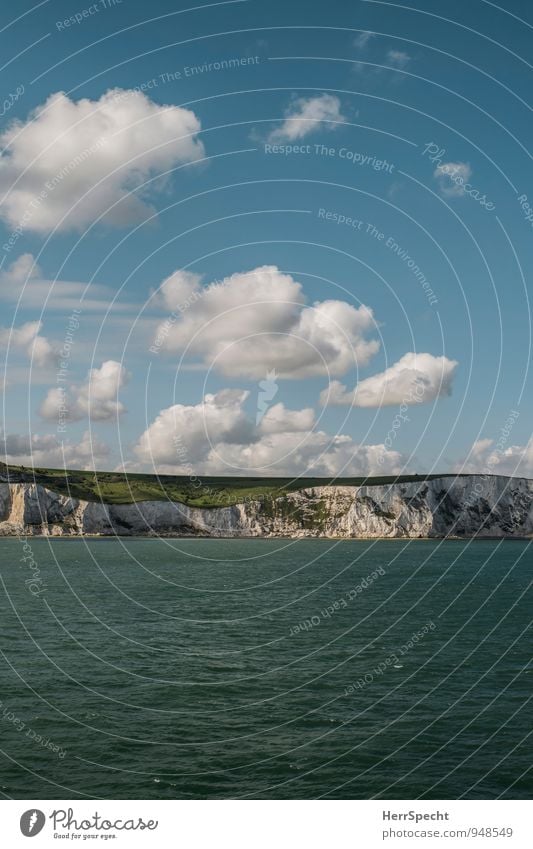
[[120, 488]]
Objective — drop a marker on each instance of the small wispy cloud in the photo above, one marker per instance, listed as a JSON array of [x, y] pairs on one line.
[[451, 177], [383, 62], [305, 115], [361, 41], [398, 59]]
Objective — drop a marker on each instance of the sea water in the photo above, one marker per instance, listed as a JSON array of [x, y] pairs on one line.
[[172, 668]]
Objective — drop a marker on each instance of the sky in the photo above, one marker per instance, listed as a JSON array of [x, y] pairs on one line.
[[259, 239]]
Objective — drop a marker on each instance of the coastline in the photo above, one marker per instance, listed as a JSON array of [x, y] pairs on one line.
[[449, 538], [467, 507]]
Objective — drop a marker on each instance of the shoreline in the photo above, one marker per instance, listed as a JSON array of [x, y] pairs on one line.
[[71, 537]]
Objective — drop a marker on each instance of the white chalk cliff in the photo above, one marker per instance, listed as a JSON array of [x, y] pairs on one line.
[[463, 506]]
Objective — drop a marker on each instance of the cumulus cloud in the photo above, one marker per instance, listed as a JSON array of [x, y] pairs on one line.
[[45, 451], [26, 338], [178, 288], [96, 399], [218, 437], [414, 379], [278, 419], [491, 457], [451, 177], [317, 453], [307, 114], [184, 434], [258, 321], [80, 158]]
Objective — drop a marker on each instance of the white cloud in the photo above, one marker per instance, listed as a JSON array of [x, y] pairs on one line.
[[305, 115], [398, 59], [217, 437], [45, 451], [415, 378], [317, 453], [184, 434], [361, 41], [54, 403], [255, 322], [96, 399], [23, 283], [178, 288], [451, 177], [79, 158], [278, 419], [26, 338], [488, 457]]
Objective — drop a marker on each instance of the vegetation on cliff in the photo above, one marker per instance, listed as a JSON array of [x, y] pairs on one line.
[[126, 488]]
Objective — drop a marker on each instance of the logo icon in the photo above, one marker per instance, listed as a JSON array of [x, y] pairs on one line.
[[32, 822], [269, 389]]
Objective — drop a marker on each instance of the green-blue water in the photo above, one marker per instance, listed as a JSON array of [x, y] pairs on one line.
[[174, 669]]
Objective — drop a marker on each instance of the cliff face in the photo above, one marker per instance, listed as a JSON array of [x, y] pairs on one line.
[[463, 506]]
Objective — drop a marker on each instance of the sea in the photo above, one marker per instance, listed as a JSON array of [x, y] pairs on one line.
[[265, 669]]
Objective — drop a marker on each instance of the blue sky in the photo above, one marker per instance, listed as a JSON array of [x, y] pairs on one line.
[[354, 179]]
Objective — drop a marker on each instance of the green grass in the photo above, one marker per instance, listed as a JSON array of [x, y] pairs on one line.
[[120, 488]]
